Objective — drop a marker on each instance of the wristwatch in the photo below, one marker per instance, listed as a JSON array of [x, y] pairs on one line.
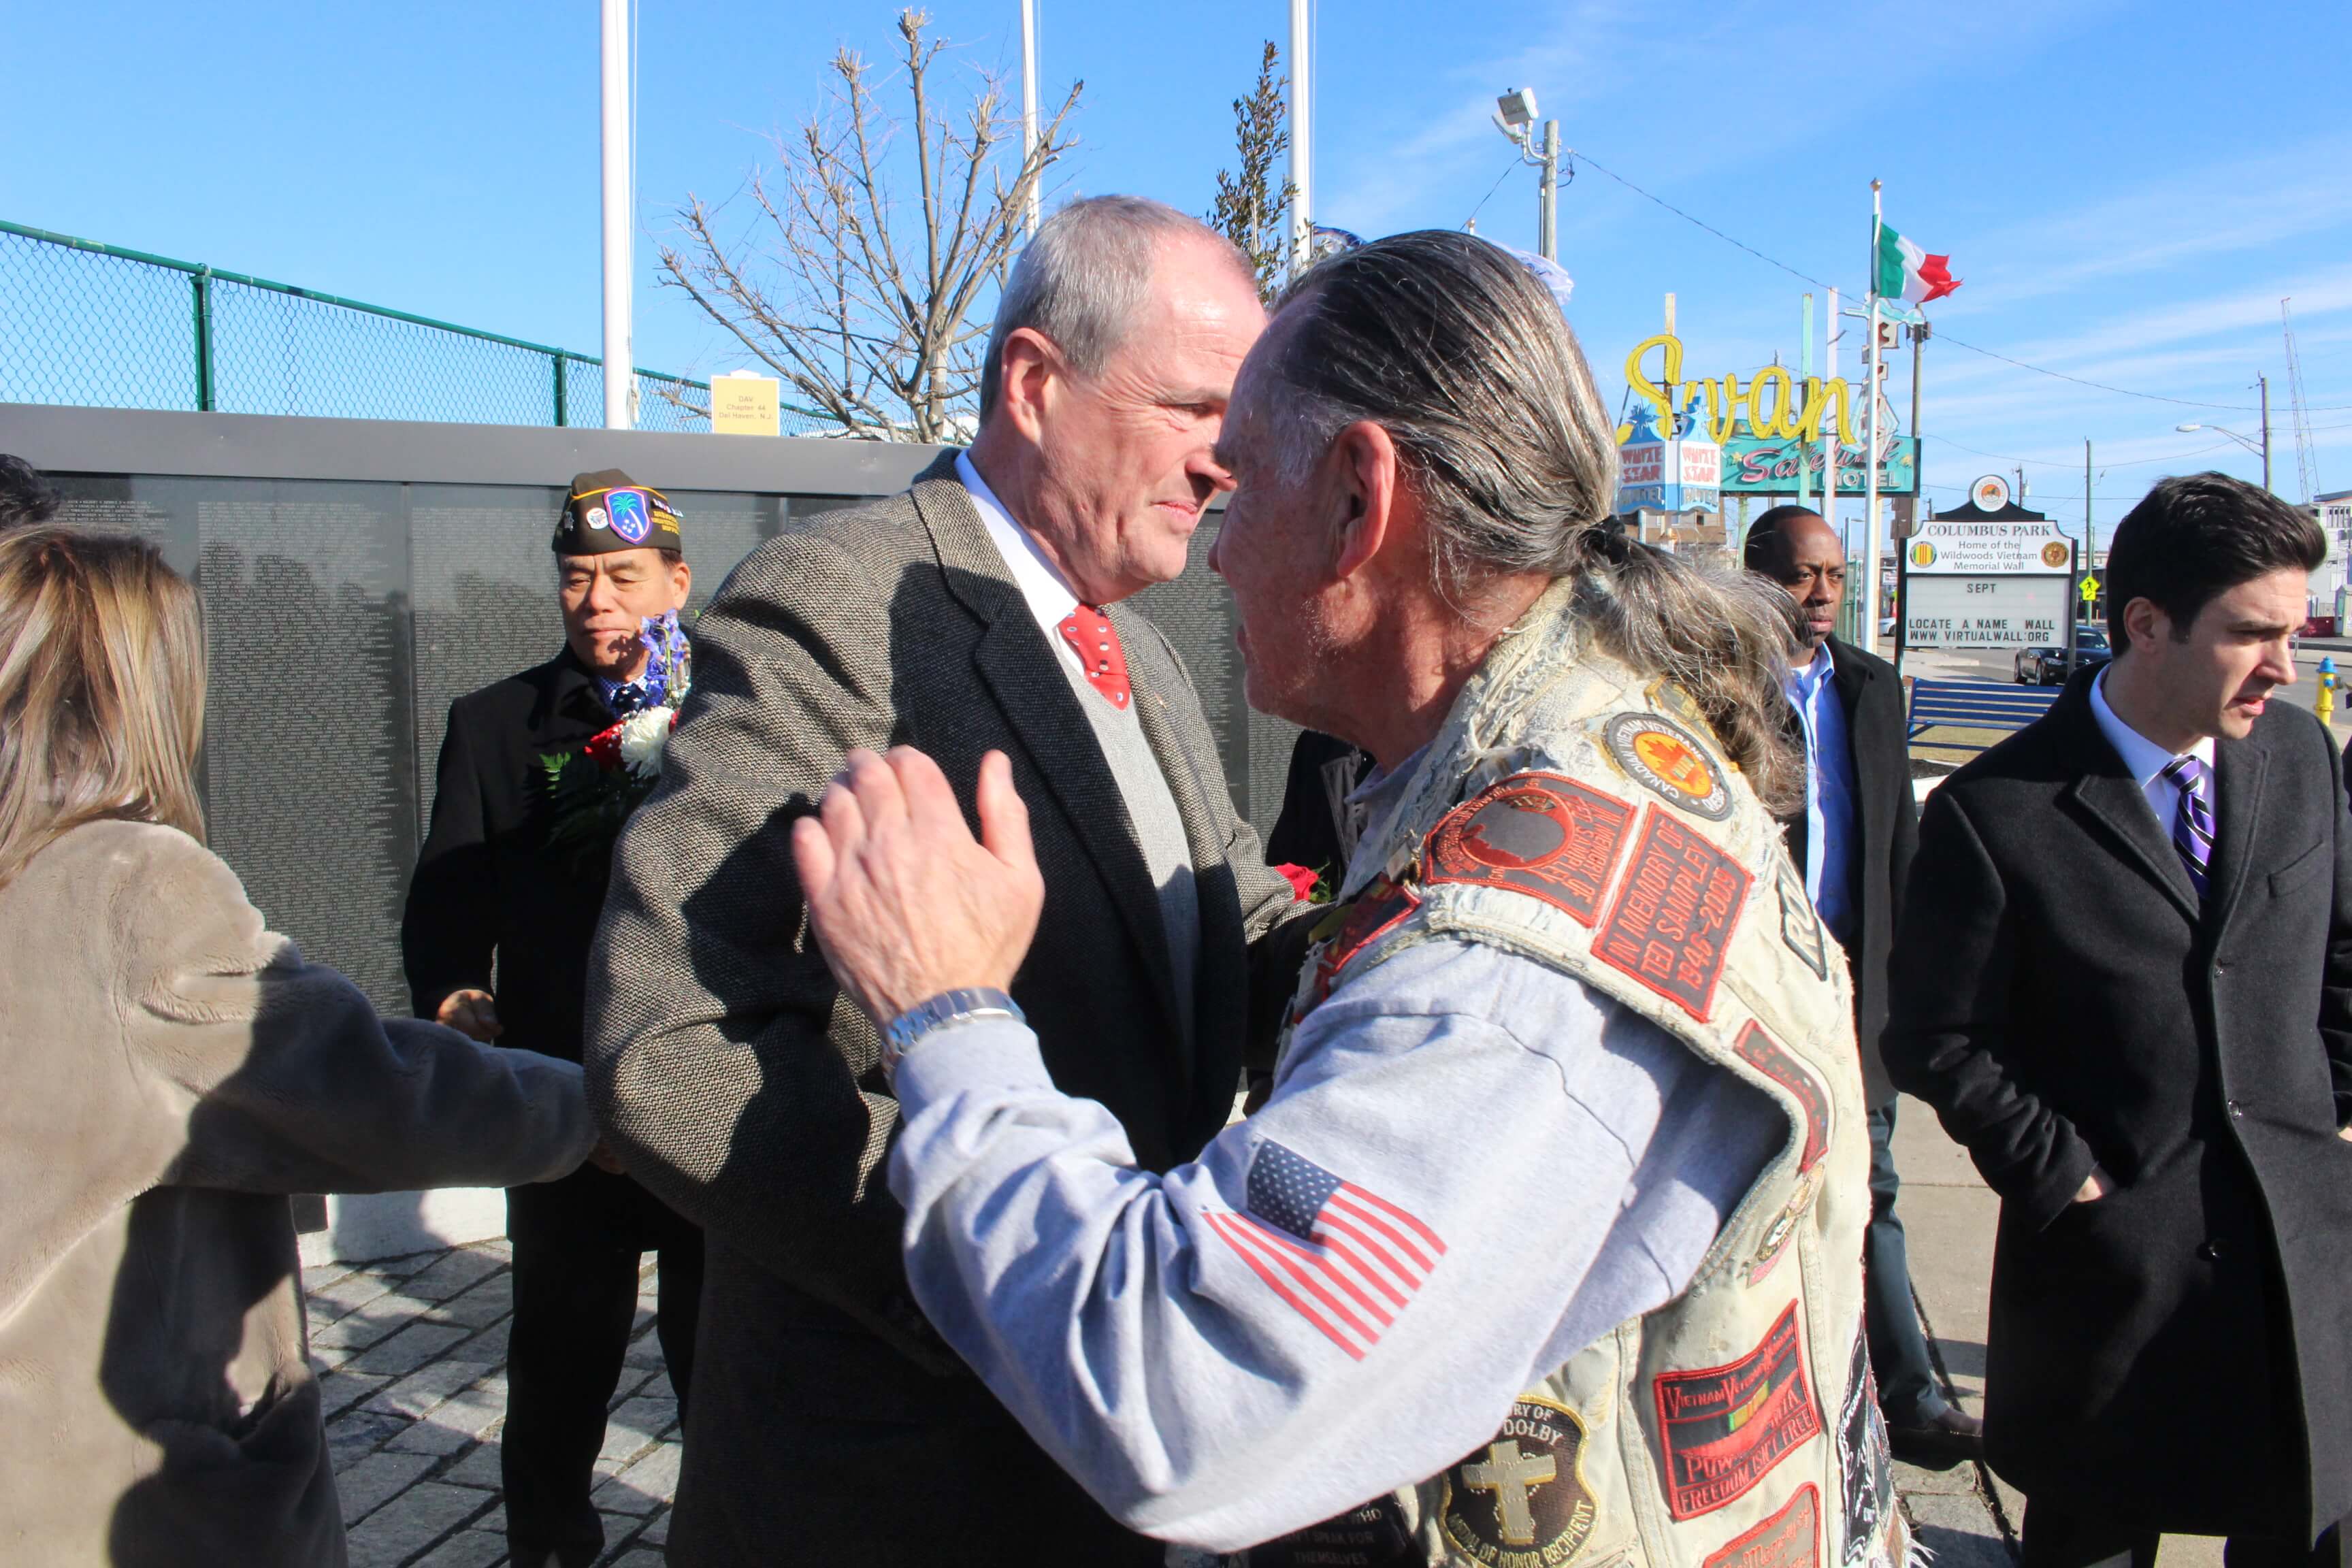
[[947, 1008]]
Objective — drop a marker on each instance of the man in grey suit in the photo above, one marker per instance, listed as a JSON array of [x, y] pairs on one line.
[[978, 611]]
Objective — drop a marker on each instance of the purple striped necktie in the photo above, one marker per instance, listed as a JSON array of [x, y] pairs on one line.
[[2192, 825]]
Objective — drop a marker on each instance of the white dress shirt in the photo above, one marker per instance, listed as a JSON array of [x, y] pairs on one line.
[[1050, 599], [2143, 758]]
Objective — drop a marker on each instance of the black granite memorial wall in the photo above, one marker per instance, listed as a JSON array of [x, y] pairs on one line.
[[343, 616]]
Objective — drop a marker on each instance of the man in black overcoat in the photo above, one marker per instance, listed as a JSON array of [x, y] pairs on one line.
[[500, 883], [2124, 979], [1852, 841]]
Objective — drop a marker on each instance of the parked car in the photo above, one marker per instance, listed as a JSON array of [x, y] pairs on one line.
[[2048, 667]]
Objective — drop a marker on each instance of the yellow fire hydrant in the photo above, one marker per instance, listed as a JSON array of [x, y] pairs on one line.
[[2324, 700]]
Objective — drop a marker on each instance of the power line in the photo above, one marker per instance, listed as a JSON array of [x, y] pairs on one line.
[[1805, 277], [1940, 336], [1490, 192]]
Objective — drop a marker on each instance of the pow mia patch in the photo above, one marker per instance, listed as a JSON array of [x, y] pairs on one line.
[[1672, 923], [1670, 762], [1762, 1052], [1373, 1536], [1521, 1501], [1536, 833], [1789, 1539], [1722, 1428], [1800, 928], [1863, 1457]]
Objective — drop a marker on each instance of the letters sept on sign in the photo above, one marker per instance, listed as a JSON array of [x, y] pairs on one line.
[[1774, 403]]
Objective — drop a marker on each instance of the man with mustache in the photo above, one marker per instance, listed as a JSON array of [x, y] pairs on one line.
[[2123, 980], [979, 611]]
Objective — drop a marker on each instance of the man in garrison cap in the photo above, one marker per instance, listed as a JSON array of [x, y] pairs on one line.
[[497, 890]]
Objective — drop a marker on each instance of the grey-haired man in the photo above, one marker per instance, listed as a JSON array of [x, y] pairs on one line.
[[979, 611]]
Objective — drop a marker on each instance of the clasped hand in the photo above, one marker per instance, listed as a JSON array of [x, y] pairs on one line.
[[905, 902]]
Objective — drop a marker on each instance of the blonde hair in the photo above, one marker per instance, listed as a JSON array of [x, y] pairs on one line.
[[101, 689]]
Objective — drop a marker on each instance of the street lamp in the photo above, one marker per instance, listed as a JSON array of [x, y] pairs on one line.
[[2261, 448], [1514, 117]]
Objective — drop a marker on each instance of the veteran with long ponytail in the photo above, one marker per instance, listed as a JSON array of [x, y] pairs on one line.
[[1547, 1243]]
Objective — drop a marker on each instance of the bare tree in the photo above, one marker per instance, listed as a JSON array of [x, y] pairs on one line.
[[866, 309], [1248, 212]]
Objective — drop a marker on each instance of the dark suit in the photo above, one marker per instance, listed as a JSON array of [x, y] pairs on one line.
[[832, 1425], [1883, 836], [2178, 1354], [489, 888]]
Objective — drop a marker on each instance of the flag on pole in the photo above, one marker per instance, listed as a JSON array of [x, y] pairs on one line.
[[1909, 274]]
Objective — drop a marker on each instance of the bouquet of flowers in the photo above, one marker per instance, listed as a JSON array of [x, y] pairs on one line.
[[592, 790]]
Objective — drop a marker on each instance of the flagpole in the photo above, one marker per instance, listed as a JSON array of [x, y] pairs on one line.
[[1830, 435], [1870, 440]]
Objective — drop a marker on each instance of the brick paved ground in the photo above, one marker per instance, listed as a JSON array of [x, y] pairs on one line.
[[412, 1360]]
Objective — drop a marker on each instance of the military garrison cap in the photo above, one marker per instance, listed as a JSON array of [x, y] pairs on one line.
[[608, 511]]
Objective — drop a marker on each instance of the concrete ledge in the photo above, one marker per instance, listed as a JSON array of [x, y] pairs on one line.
[[363, 1228]]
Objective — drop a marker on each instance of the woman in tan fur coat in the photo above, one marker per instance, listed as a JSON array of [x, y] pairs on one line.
[[169, 1071]]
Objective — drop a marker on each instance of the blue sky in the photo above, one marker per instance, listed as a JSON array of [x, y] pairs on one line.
[[2128, 189]]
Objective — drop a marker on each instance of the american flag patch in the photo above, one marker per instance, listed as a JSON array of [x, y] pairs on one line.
[[1345, 1259]]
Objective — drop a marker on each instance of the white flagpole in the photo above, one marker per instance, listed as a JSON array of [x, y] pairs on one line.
[[619, 372], [1830, 434], [1302, 205], [1029, 107], [1870, 457]]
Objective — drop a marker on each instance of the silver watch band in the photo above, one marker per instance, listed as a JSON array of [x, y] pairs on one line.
[[947, 1008]]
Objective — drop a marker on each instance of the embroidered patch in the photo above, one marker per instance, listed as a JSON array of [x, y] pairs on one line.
[[1789, 1539], [1723, 1427], [1376, 1535], [1538, 834], [1762, 1052], [630, 518], [1801, 927], [1775, 1239], [1670, 761], [1522, 1498], [1672, 920], [1352, 927], [1865, 1461]]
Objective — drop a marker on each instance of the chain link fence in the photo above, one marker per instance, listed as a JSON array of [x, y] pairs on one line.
[[96, 326]]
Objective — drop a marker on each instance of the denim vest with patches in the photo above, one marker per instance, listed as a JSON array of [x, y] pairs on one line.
[[1580, 815]]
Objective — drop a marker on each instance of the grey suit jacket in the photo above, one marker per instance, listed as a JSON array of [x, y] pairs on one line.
[[744, 1090]]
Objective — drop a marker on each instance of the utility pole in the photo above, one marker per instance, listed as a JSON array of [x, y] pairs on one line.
[[2090, 529], [1302, 206], [1870, 523], [619, 372], [1548, 195], [2265, 383], [1029, 106]]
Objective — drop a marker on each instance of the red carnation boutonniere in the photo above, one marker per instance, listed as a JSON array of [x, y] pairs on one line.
[[1302, 882]]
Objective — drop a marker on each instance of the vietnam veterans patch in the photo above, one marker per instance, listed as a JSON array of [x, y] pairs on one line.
[[1789, 1539], [1673, 918], [1521, 1501], [1762, 1052], [1670, 761], [1373, 1536], [1800, 928], [1538, 834], [1723, 1427], [1863, 1460]]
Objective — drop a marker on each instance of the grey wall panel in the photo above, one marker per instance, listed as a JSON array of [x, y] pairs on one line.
[[359, 575]]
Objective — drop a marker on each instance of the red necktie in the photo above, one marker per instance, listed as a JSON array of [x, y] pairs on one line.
[[1088, 632]]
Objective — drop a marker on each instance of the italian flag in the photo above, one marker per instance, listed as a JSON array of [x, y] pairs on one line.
[[1909, 274]]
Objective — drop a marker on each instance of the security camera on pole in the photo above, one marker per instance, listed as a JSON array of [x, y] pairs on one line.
[[1514, 117]]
